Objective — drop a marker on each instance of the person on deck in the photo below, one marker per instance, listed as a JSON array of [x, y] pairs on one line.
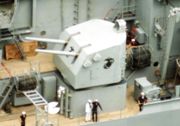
[[95, 105], [23, 118], [142, 99], [88, 110]]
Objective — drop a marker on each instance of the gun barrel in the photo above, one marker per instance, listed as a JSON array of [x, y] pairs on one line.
[[58, 41], [57, 52]]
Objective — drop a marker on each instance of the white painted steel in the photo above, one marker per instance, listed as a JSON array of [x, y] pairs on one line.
[[47, 40]]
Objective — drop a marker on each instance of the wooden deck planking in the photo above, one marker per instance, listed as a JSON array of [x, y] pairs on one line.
[[20, 67]]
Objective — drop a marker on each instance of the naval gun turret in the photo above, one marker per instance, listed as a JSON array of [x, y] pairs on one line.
[[100, 56], [91, 53], [91, 58]]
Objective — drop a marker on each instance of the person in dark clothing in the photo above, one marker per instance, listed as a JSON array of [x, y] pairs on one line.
[[23, 118], [142, 100], [95, 105]]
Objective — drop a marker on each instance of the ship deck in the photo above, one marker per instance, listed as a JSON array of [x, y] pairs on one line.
[[13, 119], [45, 61], [42, 62]]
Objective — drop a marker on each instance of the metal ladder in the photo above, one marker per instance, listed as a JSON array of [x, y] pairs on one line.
[[39, 102], [17, 43], [76, 12], [35, 98], [5, 94]]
